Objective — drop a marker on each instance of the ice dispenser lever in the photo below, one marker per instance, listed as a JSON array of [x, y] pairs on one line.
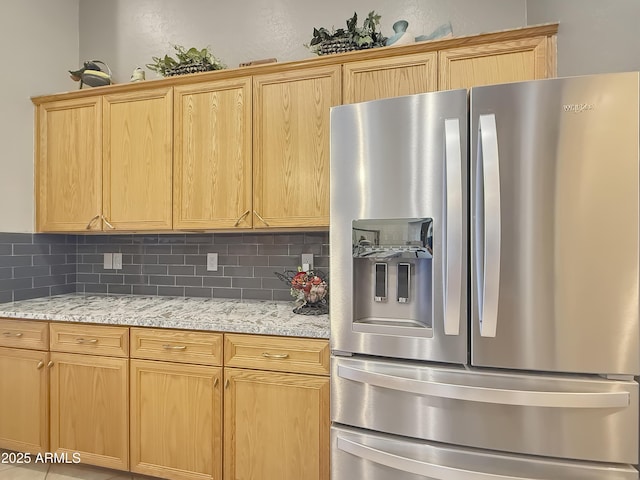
[[404, 273], [380, 290]]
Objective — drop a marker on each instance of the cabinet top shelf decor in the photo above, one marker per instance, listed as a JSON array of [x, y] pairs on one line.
[[548, 30]]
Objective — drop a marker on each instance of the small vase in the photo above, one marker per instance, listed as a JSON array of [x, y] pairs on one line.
[[400, 37]]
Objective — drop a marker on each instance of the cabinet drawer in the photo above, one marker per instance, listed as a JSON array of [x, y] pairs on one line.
[[184, 346], [282, 354], [91, 339], [29, 334]]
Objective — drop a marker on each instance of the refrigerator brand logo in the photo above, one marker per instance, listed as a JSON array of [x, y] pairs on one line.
[[578, 107]]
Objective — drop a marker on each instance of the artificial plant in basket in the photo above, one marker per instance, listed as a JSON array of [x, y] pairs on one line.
[[190, 60], [353, 38]]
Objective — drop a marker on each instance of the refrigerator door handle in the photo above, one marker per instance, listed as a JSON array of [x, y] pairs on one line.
[[524, 398], [416, 467], [452, 264], [488, 228]]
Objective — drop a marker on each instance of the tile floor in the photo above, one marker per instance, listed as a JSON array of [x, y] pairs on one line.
[[51, 471]]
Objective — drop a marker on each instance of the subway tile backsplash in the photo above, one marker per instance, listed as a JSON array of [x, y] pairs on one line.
[[33, 266], [176, 264], [40, 265]]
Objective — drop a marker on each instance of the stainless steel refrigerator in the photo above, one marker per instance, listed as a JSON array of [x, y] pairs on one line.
[[485, 283]]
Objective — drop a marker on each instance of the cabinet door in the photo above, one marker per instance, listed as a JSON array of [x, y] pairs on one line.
[[69, 165], [176, 420], [212, 155], [137, 153], [276, 426], [291, 146], [24, 400], [389, 77], [500, 62], [90, 408]]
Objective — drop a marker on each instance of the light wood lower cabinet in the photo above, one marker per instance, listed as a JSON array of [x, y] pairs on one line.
[[176, 404], [176, 420], [276, 426], [24, 385], [276, 414], [24, 400], [90, 408], [89, 389]]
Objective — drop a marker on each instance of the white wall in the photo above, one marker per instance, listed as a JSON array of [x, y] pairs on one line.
[[40, 43], [126, 33], [595, 36]]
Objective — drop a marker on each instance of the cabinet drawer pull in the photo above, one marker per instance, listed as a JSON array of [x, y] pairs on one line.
[[86, 340], [40, 365], [11, 334], [261, 219], [90, 224], [275, 355], [174, 347], [241, 218]]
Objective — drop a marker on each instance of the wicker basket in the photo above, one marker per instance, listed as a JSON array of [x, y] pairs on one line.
[[188, 68], [341, 45]]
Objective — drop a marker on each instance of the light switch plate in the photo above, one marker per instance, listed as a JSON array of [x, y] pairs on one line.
[[307, 261], [117, 261], [212, 262], [108, 261]]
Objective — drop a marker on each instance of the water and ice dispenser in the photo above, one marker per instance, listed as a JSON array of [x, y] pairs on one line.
[[393, 275]]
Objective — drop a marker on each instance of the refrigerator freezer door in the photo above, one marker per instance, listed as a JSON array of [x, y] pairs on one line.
[[581, 418], [361, 454], [393, 160], [554, 225]]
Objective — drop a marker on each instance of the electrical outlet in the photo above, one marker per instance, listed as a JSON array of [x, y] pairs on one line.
[[117, 261], [307, 261], [212, 262], [108, 261]]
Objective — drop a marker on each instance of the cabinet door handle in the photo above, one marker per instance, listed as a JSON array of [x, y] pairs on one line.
[[241, 218], [50, 364], [40, 365], [11, 334], [226, 383], [86, 340], [261, 219], [91, 222], [275, 355], [216, 382], [107, 223], [174, 347]]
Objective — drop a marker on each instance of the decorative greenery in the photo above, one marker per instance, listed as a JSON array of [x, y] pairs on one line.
[[186, 61], [353, 38]]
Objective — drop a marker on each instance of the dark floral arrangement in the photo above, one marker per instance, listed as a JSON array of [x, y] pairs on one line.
[[326, 41], [310, 289]]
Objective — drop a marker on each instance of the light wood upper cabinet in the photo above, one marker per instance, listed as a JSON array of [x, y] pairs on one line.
[[212, 155], [241, 148], [497, 62], [291, 146], [137, 160], [69, 165], [390, 77]]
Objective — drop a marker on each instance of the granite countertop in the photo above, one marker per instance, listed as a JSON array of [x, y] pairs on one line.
[[220, 315]]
